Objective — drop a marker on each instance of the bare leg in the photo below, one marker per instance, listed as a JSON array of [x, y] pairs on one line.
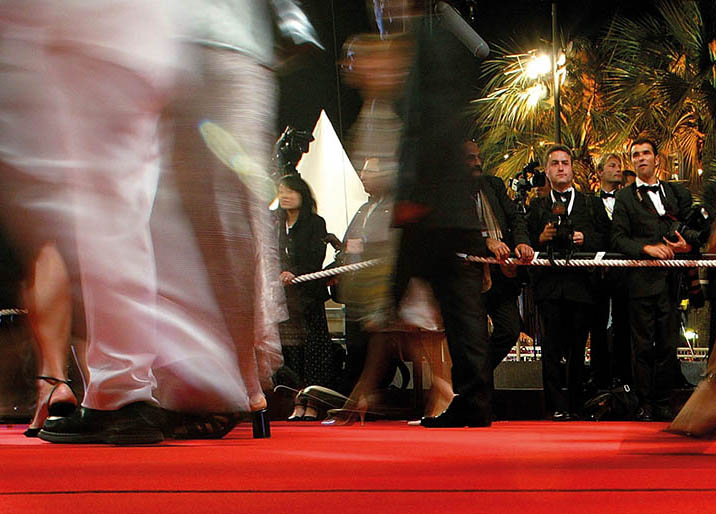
[[47, 298], [433, 347], [380, 347]]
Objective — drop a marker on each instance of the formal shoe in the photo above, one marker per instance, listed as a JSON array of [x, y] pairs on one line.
[[135, 423], [46, 407], [644, 413], [561, 415], [458, 414]]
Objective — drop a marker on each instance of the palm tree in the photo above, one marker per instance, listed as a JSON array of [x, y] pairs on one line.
[[654, 75], [515, 116], [661, 80]]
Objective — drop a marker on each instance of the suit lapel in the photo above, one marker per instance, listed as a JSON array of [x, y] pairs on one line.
[[644, 201]]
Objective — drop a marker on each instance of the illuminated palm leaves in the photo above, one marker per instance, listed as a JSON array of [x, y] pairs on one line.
[[654, 75]]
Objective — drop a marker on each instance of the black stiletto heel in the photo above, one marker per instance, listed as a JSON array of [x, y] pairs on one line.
[[57, 409], [261, 424]]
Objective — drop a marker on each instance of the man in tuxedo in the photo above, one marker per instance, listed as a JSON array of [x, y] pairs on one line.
[[563, 220], [504, 229], [610, 360], [646, 216], [436, 213]]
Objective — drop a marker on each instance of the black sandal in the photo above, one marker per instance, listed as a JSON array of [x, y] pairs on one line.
[[57, 409]]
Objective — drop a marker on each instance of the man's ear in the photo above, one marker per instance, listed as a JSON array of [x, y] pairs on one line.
[[657, 161]]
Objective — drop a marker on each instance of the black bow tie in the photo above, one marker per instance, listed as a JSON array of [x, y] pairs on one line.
[[649, 189], [604, 194], [565, 197]]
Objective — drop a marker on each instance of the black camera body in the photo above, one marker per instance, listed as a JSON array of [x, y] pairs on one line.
[[290, 147], [698, 219], [563, 240], [528, 178]]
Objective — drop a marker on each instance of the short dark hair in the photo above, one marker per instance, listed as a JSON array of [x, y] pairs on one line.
[[644, 140], [629, 172], [295, 183], [558, 148]]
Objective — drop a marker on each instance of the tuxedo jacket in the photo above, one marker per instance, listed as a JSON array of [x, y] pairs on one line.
[[565, 283], [609, 280], [636, 223], [709, 201]]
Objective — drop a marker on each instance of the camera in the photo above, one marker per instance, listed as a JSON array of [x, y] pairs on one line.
[[564, 238], [529, 177], [289, 149], [697, 220]]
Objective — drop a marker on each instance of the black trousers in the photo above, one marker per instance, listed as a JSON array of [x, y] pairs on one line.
[[506, 323], [610, 356], [431, 254], [654, 322], [566, 326]]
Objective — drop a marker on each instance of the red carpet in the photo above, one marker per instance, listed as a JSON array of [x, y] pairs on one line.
[[381, 467]]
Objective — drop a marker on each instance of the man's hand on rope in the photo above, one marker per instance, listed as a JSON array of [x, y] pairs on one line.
[[498, 248], [524, 252], [287, 277]]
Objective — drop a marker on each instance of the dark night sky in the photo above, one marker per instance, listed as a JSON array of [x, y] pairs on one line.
[[315, 85]]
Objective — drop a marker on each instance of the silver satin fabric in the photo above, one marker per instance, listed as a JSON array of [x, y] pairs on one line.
[[83, 86]]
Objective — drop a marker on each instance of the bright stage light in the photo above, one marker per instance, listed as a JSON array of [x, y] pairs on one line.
[[537, 66]]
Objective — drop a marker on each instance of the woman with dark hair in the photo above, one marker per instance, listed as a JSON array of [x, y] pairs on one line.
[[305, 340]]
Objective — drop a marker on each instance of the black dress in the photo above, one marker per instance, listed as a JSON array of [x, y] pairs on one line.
[[305, 340]]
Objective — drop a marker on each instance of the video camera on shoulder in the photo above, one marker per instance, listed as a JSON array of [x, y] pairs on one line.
[[528, 178]]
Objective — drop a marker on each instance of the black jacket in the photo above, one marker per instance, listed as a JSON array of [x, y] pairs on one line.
[[302, 251], [565, 283], [512, 223], [636, 224], [433, 172]]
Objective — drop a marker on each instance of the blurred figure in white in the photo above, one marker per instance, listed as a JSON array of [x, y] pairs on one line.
[[83, 83]]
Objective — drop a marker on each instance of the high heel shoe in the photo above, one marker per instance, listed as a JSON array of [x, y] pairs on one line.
[[310, 417], [261, 424], [299, 410], [58, 409], [354, 410]]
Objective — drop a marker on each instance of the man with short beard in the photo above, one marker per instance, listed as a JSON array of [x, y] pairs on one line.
[[504, 229]]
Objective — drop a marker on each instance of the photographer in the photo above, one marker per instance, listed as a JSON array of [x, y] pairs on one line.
[[647, 223], [609, 344], [562, 222]]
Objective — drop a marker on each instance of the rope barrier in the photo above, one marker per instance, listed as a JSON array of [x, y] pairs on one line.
[[589, 260], [12, 312], [576, 262], [330, 272]]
